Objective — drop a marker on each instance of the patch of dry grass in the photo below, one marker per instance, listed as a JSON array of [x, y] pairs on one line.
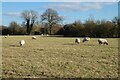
[[53, 57]]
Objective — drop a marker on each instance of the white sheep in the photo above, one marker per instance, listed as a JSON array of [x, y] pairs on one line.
[[22, 42], [33, 37], [77, 40], [47, 35], [5, 36], [103, 41], [86, 39], [41, 34]]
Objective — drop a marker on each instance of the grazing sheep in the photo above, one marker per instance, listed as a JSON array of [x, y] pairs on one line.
[[103, 41], [47, 35], [5, 36], [86, 39], [33, 37], [41, 34], [77, 40], [22, 42]]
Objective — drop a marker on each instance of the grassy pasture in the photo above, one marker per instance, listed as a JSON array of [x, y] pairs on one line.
[[59, 57]]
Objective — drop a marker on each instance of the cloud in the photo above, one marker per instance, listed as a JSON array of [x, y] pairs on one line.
[[77, 6], [12, 14]]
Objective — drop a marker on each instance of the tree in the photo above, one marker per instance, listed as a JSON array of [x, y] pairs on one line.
[[90, 24], [22, 30], [5, 30], [116, 22], [79, 27], [104, 29], [50, 17], [74, 29], [13, 28], [30, 18], [0, 30]]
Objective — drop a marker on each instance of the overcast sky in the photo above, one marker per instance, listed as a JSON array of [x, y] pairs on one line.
[[70, 11]]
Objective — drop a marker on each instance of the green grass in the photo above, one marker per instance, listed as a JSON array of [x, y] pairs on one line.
[[51, 57]]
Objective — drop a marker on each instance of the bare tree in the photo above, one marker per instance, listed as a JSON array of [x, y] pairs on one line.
[[50, 17], [13, 27], [116, 22], [30, 18]]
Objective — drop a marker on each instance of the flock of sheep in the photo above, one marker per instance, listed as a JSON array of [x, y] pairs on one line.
[[100, 41], [77, 40]]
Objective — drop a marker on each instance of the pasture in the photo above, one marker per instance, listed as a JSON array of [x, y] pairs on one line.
[[58, 57]]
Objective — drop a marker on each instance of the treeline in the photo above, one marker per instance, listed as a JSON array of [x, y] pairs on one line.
[[38, 29], [91, 29], [50, 24]]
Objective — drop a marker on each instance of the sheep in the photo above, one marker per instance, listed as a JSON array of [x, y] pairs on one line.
[[47, 35], [41, 34], [5, 36], [77, 40], [22, 42], [86, 39], [33, 37], [103, 41]]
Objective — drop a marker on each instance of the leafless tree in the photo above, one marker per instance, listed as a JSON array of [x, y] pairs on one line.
[[50, 17], [30, 18]]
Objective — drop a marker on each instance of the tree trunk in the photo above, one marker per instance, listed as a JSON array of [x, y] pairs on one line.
[[27, 24], [31, 26], [50, 29]]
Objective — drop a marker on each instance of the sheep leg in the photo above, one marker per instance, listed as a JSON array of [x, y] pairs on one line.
[[99, 43]]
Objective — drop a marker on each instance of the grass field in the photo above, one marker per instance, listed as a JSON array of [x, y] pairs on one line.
[[51, 57]]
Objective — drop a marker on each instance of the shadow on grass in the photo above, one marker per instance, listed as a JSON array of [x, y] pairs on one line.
[[69, 44], [14, 45], [40, 49], [80, 44], [89, 44]]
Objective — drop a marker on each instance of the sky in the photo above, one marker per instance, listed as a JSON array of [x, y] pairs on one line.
[[59, 0], [70, 11]]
